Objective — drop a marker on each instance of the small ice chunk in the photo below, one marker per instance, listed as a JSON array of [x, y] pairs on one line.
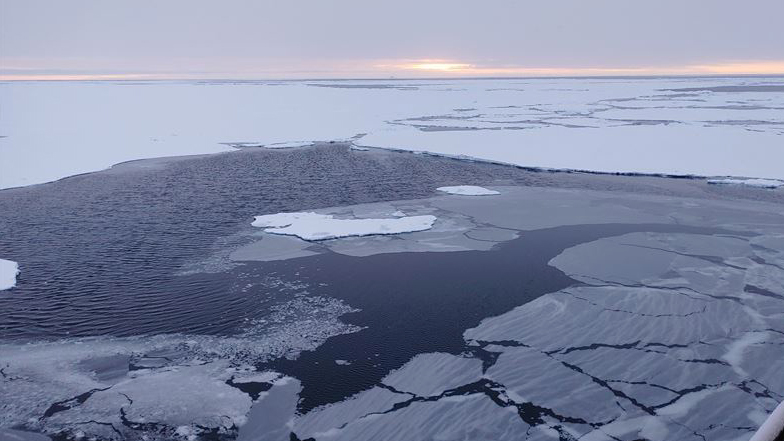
[[359, 149], [468, 190], [8, 271], [761, 183], [398, 213], [342, 362], [315, 226]]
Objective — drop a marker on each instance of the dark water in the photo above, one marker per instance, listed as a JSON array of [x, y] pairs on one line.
[[100, 254]]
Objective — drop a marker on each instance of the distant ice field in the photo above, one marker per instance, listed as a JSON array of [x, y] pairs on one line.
[[684, 126]]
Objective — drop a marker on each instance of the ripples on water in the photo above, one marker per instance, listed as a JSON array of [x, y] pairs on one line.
[[99, 252]]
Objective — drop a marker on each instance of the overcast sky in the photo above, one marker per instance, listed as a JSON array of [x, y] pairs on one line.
[[363, 38]]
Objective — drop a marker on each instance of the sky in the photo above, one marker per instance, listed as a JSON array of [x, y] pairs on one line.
[[288, 39]]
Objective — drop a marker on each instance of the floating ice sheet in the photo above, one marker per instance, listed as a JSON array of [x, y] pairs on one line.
[[8, 272], [315, 226], [468, 190]]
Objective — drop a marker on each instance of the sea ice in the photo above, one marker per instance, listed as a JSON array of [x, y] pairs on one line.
[[315, 226], [160, 386], [659, 353], [762, 183], [8, 272], [609, 125], [432, 374], [468, 190]]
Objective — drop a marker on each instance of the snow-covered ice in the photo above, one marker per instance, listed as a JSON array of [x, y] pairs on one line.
[[762, 183], [315, 226], [468, 190], [56, 129], [8, 272]]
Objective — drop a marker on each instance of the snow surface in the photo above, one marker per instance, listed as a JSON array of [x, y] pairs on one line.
[[468, 190], [315, 226], [51, 130], [762, 183], [8, 272]]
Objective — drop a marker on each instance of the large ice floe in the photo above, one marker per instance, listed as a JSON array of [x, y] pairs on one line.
[[468, 190], [694, 126], [315, 226], [8, 272]]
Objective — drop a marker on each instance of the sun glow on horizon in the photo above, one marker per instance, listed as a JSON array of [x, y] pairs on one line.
[[443, 67], [477, 70], [406, 68]]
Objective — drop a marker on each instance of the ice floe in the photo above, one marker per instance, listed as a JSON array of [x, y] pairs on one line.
[[468, 190], [432, 374], [271, 417], [315, 226], [762, 183], [8, 272]]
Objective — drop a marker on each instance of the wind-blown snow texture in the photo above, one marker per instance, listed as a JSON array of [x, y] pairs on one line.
[[8, 271], [315, 226], [53, 130]]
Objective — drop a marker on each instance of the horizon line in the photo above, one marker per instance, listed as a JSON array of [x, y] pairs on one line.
[[150, 78]]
